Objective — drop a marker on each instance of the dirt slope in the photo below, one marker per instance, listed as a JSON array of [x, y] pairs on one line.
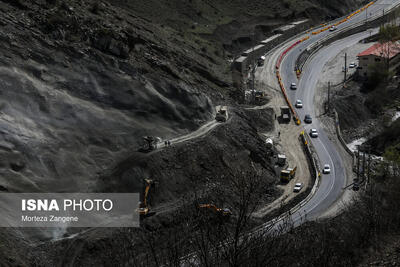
[[233, 23], [82, 81]]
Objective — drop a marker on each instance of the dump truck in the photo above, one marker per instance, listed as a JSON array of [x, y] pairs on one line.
[[288, 174], [281, 160], [150, 143], [222, 114], [225, 212], [285, 113], [143, 206]]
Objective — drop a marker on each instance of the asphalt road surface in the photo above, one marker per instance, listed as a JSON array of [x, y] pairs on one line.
[[331, 185]]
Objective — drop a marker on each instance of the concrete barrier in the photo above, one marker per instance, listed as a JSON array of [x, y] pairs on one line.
[[242, 63], [341, 139], [374, 21], [316, 175], [295, 116], [344, 20]]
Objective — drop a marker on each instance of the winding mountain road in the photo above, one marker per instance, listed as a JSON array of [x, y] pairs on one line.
[[331, 185]]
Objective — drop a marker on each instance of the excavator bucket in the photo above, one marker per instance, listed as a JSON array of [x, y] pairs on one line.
[[223, 212], [226, 212], [143, 206], [293, 172]]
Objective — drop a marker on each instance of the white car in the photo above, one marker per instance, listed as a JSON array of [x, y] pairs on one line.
[[299, 104], [333, 28], [352, 65], [297, 187], [314, 133], [293, 86], [327, 169]]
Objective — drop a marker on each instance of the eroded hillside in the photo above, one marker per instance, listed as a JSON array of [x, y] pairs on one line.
[[82, 81]]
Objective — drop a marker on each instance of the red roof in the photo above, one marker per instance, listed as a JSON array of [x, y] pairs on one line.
[[386, 50]]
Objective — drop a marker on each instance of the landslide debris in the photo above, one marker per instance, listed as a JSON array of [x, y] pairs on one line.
[[82, 81]]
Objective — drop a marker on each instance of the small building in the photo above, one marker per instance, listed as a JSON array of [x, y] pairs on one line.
[[378, 53]]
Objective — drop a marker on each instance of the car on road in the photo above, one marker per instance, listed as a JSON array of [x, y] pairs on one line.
[[307, 118], [299, 104], [297, 187], [327, 169], [293, 86], [352, 65], [313, 133], [333, 28]]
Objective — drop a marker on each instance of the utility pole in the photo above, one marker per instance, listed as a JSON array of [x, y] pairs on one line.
[[253, 93], [363, 172], [369, 166], [253, 82], [358, 164], [329, 97], [345, 69], [383, 16]]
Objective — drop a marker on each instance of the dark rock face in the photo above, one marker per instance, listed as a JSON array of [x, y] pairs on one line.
[[107, 44], [74, 102], [82, 81]]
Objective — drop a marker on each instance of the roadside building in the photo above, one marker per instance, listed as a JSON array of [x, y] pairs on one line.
[[387, 53]]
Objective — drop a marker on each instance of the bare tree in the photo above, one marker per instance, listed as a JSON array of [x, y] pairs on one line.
[[387, 36]]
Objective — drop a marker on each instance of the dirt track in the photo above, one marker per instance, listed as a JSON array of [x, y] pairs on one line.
[[288, 141]]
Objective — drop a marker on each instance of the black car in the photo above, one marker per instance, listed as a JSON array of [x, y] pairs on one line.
[[356, 187], [308, 119]]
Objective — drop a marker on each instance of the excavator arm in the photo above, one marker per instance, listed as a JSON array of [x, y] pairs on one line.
[[146, 193], [144, 209], [209, 206], [223, 212], [149, 183], [293, 173]]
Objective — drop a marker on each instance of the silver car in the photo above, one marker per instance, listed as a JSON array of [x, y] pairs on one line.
[[327, 169], [313, 133], [299, 104], [297, 187]]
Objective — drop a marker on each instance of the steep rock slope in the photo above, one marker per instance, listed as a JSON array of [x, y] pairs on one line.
[[78, 90], [82, 81]]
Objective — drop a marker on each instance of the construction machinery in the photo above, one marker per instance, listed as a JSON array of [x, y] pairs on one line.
[[281, 161], [225, 212], [288, 174], [150, 143], [260, 61], [285, 114], [222, 114], [269, 143], [259, 95], [143, 206]]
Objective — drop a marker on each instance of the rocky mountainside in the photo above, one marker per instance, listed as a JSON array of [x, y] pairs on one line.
[[235, 23], [80, 87], [82, 81]]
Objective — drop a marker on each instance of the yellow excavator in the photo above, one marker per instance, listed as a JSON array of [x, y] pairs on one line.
[[288, 174], [259, 95], [225, 212], [143, 207]]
